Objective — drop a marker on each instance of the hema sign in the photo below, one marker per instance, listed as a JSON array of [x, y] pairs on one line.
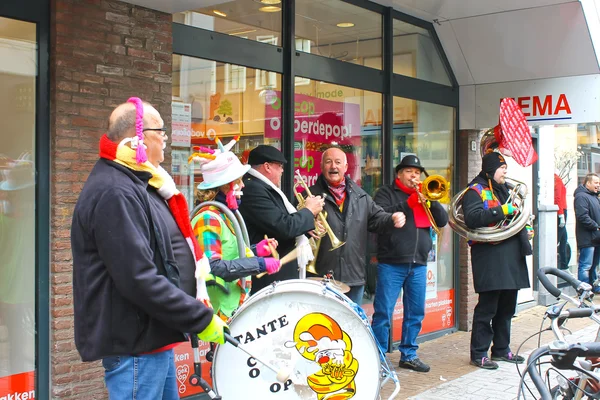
[[556, 101]]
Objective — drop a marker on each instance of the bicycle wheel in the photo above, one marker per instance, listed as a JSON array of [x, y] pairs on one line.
[[558, 393]]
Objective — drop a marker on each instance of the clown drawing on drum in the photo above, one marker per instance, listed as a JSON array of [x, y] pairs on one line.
[[319, 338]]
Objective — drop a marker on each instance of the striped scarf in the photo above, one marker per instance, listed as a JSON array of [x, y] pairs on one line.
[[164, 185]]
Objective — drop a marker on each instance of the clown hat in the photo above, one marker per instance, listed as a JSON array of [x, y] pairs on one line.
[[219, 167]]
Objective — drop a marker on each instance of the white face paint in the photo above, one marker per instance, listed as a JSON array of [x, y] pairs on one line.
[[236, 190]]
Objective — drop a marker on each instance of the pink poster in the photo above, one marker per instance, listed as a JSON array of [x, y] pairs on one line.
[[319, 124]]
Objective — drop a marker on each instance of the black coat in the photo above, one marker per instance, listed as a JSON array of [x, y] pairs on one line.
[[409, 244], [499, 266], [359, 216], [265, 214], [124, 303], [587, 217]]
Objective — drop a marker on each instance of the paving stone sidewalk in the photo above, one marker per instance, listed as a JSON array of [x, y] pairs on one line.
[[451, 375]]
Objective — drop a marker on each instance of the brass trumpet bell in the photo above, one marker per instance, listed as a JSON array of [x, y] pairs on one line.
[[435, 187]]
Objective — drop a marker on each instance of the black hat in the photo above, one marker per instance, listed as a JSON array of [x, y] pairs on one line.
[[264, 153], [410, 161], [491, 162]]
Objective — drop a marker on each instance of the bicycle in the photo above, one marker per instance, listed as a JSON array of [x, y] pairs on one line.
[[573, 388]]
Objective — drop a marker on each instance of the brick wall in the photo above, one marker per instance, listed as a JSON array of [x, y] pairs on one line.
[[102, 52], [468, 168]]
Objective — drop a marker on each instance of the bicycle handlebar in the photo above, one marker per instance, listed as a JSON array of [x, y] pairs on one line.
[[563, 357], [553, 290]]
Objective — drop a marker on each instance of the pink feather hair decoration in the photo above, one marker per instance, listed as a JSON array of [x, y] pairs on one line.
[[140, 152]]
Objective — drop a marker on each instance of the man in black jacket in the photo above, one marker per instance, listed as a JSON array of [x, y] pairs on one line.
[[134, 263], [267, 211], [351, 213], [587, 228], [402, 260], [499, 268]]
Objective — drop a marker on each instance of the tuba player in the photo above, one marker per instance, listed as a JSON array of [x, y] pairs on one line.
[[499, 268]]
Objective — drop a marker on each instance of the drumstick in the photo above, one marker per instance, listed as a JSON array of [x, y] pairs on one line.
[[292, 255], [274, 252], [282, 374]]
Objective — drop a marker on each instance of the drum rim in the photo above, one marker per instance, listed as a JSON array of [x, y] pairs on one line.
[[273, 291]]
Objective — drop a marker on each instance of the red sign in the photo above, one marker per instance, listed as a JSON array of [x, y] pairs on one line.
[[535, 106], [184, 368], [318, 124], [19, 386]]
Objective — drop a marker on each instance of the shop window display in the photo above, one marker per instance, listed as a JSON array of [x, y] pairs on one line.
[[18, 69]]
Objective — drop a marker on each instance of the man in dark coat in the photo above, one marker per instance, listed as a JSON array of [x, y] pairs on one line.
[[587, 228], [499, 268], [402, 257], [351, 212], [267, 211]]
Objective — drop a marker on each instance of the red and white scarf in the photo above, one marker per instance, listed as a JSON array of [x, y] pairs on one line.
[[123, 154]]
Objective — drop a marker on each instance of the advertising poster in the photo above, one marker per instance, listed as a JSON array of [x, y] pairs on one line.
[[180, 170], [181, 124], [431, 292], [319, 124], [184, 368], [18, 386]]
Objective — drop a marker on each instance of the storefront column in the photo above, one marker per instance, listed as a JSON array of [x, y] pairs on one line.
[[547, 209]]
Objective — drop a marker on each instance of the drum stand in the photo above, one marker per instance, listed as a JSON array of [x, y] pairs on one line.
[[196, 378]]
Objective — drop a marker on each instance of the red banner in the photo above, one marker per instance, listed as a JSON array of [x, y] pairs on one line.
[[19, 386], [513, 134], [184, 364]]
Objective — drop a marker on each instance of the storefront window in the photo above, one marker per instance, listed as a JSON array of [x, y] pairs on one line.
[[18, 70], [332, 115], [416, 55], [339, 30], [212, 99], [258, 20], [427, 130]]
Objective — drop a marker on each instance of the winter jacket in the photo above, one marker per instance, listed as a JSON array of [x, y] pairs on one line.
[[360, 215], [501, 265], [265, 214], [587, 217], [125, 302], [408, 244]]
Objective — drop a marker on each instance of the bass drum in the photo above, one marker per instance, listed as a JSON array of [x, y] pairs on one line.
[[305, 328]]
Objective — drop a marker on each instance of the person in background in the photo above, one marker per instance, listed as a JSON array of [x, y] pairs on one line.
[[267, 211], [134, 262], [587, 228], [560, 199], [351, 213], [499, 268], [402, 257], [215, 229]]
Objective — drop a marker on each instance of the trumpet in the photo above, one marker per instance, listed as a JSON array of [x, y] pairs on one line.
[[322, 216], [433, 188]]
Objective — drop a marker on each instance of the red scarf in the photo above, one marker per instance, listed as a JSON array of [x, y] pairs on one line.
[[338, 191], [421, 220]]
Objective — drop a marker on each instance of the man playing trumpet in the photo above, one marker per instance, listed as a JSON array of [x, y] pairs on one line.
[[402, 260], [351, 213]]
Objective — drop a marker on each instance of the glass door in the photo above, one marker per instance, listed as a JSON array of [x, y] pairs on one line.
[[18, 76]]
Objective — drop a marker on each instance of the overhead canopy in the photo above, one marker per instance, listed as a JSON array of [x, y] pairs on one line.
[[489, 41]]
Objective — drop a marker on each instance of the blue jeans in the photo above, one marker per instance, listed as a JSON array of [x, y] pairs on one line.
[[356, 294], [147, 376], [588, 262], [412, 280]]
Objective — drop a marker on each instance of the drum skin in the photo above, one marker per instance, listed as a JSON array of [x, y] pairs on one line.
[[300, 327]]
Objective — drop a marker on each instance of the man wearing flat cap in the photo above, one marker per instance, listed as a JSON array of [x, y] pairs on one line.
[[499, 268], [267, 211], [402, 257]]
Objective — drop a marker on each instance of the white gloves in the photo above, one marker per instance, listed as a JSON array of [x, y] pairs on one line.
[[561, 221]]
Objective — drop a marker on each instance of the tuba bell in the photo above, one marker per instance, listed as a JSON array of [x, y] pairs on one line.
[[503, 229]]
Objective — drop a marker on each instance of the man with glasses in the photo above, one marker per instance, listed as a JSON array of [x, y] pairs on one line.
[[134, 262], [267, 211]]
